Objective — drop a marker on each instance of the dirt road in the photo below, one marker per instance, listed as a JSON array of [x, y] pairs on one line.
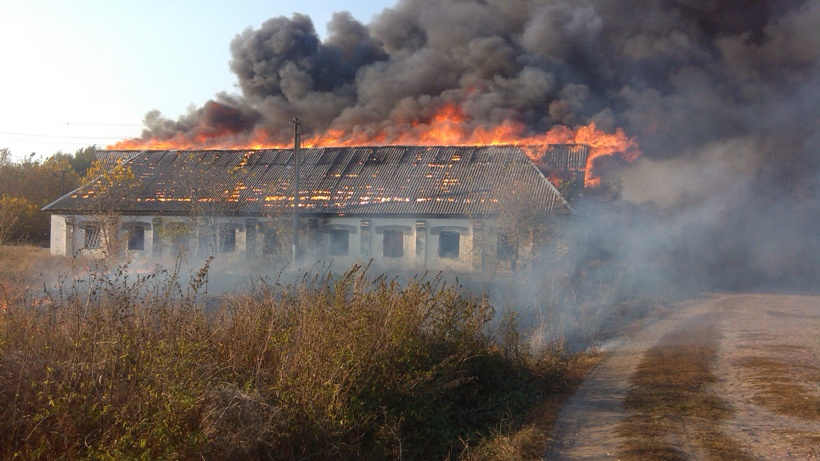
[[767, 371]]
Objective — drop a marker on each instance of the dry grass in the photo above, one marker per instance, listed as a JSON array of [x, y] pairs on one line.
[[527, 440], [778, 385], [22, 270], [808, 440], [111, 365], [671, 401]]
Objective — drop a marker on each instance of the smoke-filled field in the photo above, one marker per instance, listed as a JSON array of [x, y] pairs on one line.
[[104, 360]]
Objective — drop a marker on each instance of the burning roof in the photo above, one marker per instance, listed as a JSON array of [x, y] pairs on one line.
[[417, 180]]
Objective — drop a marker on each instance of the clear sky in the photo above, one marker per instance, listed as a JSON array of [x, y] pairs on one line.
[[81, 72]]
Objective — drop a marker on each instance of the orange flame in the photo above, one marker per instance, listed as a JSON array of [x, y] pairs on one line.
[[448, 126]]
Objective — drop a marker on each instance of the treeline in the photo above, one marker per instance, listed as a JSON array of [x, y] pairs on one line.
[[29, 184]]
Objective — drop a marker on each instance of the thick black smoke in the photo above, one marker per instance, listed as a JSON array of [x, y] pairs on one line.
[[724, 97]]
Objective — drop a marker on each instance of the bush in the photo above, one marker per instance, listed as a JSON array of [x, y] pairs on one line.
[[108, 365], [21, 220]]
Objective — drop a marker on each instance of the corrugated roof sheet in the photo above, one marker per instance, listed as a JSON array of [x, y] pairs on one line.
[[463, 180], [110, 158]]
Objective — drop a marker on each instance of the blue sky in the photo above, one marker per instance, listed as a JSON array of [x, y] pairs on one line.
[[82, 72]]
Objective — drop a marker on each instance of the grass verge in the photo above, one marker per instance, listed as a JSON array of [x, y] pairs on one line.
[[778, 387], [670, 400]]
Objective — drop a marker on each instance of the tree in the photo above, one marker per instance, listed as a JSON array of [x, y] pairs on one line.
[[521, 228], [8, 221], [110, 187], [20, 218], [79, 162], [25, 187], [5, 157], [83, 159]]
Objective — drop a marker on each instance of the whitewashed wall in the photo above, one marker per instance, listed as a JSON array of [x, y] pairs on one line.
[[366, 239], [59, 236]]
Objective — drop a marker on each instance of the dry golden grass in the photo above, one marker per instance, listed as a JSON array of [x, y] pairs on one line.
[[670, 399], [22, 270], [528, 441], [118, 365], [778, 385]]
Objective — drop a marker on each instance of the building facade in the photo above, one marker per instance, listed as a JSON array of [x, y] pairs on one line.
[[438, 208]]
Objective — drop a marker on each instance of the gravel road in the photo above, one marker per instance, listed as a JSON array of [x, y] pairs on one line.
[[782, 329]]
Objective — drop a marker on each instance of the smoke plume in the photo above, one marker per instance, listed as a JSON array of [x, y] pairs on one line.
[[722, 95]]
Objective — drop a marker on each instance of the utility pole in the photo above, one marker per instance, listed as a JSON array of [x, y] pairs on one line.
[[297, 140], [62, 184]]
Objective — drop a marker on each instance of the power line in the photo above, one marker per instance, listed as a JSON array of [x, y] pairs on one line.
[[71, 143], [58, 122], [237, 124], [35, 135]]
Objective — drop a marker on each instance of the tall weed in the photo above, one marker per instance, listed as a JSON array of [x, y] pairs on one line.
[[111, 365]]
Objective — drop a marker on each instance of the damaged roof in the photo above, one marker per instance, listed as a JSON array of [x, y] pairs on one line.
[[410, 180]]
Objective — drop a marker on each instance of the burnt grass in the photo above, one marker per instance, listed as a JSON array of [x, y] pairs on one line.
[[778, 385], [671, 404], [111, 365]]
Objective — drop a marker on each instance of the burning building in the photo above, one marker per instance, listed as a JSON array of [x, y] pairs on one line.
[[417, 206], [722, 96]]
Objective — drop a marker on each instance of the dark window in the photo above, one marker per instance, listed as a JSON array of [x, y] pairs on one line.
[[339, 240], [393, 244], [92, 237], [271, 243], [178, 237], [448, 245], [364, 241], [313, 237], [136, 238], [208, 240], [504, 249], [227, 240]]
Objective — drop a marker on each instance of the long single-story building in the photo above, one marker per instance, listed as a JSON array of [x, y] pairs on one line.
[[416, 206]]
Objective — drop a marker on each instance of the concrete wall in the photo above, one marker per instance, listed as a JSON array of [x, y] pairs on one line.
[[420, 242], [59, 236], [166, 236], [68, 234]]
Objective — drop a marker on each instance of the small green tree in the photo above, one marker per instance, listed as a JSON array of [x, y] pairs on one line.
[[83, 159]]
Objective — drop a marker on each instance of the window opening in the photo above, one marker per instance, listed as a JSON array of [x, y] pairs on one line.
[[227, 240], [271, 243], [448, 243], [505, 249], [92, 237], [136, 238], [393, 244], [178, 237], [339, 242]]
